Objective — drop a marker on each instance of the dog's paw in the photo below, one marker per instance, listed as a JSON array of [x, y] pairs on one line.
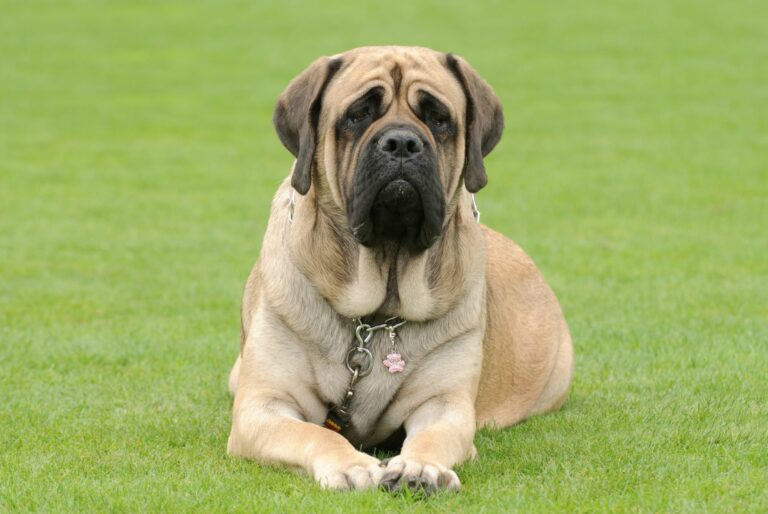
[[401, 473], [359, 473]]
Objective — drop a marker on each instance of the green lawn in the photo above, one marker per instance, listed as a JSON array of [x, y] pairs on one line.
[[137, 160]]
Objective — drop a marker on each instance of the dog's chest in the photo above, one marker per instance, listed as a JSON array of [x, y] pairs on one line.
[[372, 394]]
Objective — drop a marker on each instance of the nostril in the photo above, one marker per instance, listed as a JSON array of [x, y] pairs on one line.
[[400, 144], [390, 145], [412, 146]]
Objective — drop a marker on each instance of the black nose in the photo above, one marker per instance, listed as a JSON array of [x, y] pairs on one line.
[[400, 143]]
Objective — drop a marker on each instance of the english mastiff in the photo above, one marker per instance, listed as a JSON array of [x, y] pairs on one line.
[[380, 305]]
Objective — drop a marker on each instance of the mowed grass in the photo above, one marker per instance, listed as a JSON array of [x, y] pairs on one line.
[[137, 162]]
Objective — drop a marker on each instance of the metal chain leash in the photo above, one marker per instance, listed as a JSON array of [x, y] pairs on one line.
[[359, 362]]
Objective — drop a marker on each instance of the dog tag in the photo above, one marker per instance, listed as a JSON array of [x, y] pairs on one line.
[[394, 363]]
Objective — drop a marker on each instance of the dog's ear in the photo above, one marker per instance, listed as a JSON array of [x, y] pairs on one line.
[[296, 116], [484, 119]]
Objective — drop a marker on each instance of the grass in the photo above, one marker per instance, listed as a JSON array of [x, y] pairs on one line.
[[137, 161]]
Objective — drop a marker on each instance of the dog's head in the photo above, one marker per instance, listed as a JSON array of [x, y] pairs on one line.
[[389, 134]]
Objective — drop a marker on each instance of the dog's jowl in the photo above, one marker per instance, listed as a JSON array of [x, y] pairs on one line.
[[379, 303]]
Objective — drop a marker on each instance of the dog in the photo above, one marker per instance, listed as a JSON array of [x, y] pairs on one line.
[[379, 305]]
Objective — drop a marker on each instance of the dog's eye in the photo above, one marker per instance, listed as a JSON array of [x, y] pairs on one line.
[[437, 118], [359, 115]]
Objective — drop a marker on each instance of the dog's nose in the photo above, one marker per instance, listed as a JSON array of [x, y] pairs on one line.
[[400, 143]]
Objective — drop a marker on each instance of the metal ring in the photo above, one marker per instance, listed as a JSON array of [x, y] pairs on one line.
[[368, 365]]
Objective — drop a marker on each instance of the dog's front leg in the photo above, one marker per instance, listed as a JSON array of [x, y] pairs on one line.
[[439, 435], [270, 429]]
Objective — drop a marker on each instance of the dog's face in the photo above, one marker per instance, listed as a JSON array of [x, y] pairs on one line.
[[388, 134]]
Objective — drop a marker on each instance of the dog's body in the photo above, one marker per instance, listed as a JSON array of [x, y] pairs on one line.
[[389, 137]]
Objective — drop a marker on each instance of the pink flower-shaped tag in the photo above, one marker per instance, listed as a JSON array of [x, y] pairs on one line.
[[394, 363]]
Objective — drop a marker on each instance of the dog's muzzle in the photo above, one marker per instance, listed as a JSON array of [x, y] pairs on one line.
[[396, 191]]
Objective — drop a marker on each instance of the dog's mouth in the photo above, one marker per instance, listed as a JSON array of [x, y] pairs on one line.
[[396, 193], [397, 210], [397, 213], [400, 213]]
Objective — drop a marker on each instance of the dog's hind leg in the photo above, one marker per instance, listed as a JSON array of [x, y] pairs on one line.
[[556, 391]]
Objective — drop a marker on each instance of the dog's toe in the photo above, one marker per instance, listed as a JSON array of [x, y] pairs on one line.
[[360, 478], [401, 473], [416, 484], [390, 480], [449, 480], [334, 480], [361, 473]]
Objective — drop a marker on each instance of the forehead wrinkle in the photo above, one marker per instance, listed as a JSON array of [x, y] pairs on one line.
[[339, 101], [362, 70], [415, 87], [363, 90], [367, 68], [376, 66], [397, 77], [355, 77], [433, 78]]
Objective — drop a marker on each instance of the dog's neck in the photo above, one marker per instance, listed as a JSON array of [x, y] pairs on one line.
[[387, 280]]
